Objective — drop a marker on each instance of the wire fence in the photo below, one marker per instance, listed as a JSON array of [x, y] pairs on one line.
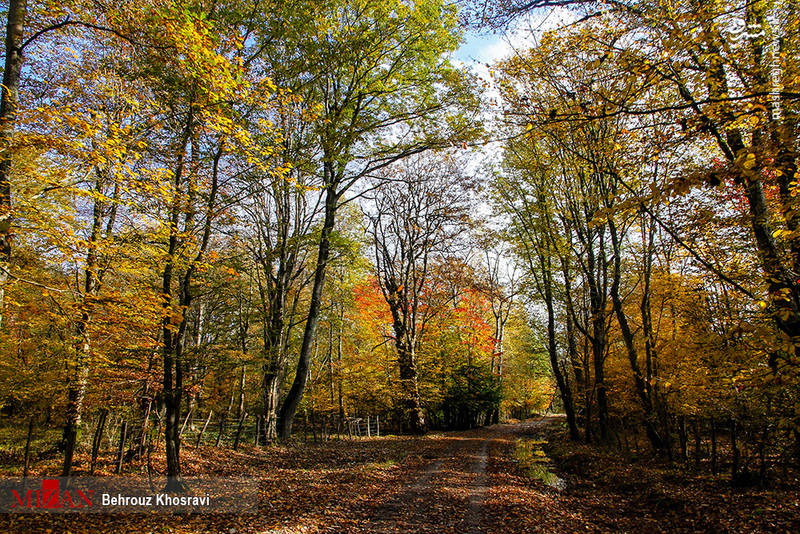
[[130, 438], [118, 438]]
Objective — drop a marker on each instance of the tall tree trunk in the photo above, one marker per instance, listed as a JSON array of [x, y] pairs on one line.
[[195, 392], [273, 300], [598, 361], [735, 456], [594, 272], [630, 344], [9, 98], [270, 405], [174, 340], [572, 344], [413, 416], [172, 384], [588, 390], [175, 318], [339, 363], [713, 446], [331, 377], [79, 368], [172, 392], [76, 391], [292, 402], [552, 349]]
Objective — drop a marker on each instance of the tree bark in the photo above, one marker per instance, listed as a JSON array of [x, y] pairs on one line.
[[9, 100], [413, 416]]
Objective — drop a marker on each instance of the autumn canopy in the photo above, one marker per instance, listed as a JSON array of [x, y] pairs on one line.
[[243, 223]]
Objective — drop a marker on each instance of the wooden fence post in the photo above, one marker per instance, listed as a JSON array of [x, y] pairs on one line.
[[122, 435], [185, 421], [98, 437], [239, 431], [143, 434], [202, 430], [28, 448], [221, 428]]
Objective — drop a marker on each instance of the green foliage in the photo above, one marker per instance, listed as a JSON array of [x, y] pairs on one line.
[[472, 394]]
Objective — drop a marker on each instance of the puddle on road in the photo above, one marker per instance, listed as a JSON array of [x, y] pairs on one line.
[[533, 460]]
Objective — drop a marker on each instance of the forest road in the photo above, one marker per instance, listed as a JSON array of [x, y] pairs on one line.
[[493, 480], [457, 490]]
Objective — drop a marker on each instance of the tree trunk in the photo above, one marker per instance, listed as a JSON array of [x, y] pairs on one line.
[[713, 446], [630, 343], [98, 438], [339, 364], [123, 433], [274, 350], [193, 396], [683, 437], [9, 93], [242, 419], [270, 406], [598, 360], [145, 425], [597, 306], [697, 442], [572, 345], [331, 378], [176, 316], [76, 391], [292, 402], [413, 416], [552, 349], [79, 370], [173, 325], [225, 416], [762, 454]]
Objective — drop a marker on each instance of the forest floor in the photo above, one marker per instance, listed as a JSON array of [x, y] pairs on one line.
[[494, 479]]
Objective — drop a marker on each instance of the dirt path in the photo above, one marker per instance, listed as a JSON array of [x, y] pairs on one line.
[[454, 491]]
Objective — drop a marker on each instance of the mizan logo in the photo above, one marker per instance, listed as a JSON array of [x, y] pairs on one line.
[[109, 495], [50, 496]]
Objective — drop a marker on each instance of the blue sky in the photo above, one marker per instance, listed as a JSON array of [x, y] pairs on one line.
[[490, 47], [479, 47]]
